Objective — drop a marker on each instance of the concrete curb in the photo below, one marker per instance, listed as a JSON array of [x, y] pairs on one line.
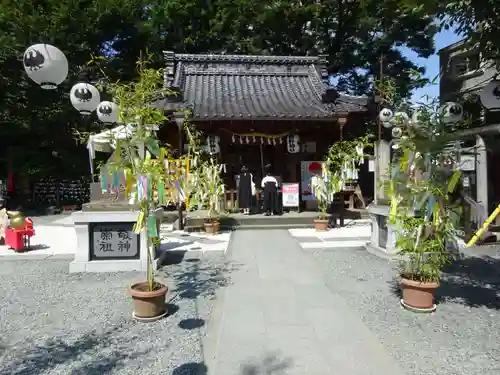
[[14, 257]]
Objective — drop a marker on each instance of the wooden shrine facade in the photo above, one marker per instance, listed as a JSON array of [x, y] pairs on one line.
[[253, 103]]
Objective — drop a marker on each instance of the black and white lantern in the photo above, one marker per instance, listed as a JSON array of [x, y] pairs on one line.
[[84, 97], [213, 144], [108, 112], [490, 96], [385, 115], [45, 65], [293, 143], [401, 118], [396, 132], [452, 112]]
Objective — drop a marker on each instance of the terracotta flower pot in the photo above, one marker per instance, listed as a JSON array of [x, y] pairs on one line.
[[321, 225], [148, 305], [419, 295], [212, 227]]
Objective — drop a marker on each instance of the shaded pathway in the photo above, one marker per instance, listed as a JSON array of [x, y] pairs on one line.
[[279, 306]]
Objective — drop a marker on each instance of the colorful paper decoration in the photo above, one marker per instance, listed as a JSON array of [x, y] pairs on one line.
[[151, 227], [104, 180], [149, 187], [116, 180], [161, 192]]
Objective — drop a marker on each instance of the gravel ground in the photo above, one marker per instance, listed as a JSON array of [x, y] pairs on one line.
[[461, 338], [53, 322]]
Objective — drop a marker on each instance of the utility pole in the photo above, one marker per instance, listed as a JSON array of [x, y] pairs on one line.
[[378, 101]]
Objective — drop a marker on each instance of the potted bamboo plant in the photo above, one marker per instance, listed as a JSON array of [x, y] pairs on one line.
[[424, 176], [325, 187], [208, 193], [331, 176], [141, 158]]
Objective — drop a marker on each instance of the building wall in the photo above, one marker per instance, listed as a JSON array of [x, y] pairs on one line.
[[462, 71]]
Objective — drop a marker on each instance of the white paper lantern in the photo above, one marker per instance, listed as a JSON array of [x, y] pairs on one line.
[[45, 65], [386, 115], [452, 112], [213, 144], [490, 95], [397, 132], [293, 143], [108, 112], [401, 118], [84, 97]]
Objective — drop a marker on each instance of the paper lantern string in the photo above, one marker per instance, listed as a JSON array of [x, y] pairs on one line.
[[254, 139]]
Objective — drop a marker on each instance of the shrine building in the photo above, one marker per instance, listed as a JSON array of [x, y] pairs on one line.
[[259, 110]]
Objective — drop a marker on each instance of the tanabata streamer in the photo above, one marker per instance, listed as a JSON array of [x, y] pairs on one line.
[[152, 229], [104, 181], [161, 192], [140, 188], [129, 181], [139, 224], [116, 180], [149, 187]]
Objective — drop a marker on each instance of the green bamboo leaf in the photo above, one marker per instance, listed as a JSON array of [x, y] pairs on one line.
[[452, 184]]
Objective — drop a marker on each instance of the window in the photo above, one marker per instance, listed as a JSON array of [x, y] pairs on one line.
[[463, 64]]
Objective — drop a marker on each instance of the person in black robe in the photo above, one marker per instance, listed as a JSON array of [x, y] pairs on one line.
[[270, 186], [245, 190]]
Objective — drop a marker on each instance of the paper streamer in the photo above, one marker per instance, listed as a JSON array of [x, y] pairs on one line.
[[140, 188], [104, 181], [139, 224], [129, 181], [152, 229], [161, 192], [116, 180], [149, 187]]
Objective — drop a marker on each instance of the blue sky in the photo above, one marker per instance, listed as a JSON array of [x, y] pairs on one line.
[[443, 39]]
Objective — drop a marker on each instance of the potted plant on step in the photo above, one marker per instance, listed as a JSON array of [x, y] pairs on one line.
[[325, 186], [424, 176], [208, 193]]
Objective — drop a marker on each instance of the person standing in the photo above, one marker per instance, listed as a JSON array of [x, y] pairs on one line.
[[245, 182], [270, 186]]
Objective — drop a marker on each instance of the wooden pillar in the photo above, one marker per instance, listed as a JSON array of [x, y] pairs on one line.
[[342, 121]]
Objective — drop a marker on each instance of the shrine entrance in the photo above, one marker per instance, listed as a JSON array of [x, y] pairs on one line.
[[255, 156]]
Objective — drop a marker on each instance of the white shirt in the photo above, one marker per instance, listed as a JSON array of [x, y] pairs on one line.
[[267, 179]]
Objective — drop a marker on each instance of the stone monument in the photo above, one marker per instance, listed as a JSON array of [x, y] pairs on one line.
[[383, 238], [105, 238]]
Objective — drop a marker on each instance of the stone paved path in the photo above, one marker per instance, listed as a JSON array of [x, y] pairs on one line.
[[278, 317]]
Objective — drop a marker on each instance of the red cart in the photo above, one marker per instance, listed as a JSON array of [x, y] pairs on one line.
[[18, 239]]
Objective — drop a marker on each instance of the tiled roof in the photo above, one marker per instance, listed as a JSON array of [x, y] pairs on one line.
[[254, 87]]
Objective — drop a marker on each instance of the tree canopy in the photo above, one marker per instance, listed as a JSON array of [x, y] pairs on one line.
[[353, 34], [477, 20]]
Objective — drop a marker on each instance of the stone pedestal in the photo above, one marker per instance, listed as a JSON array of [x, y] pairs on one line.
[[105, 240], [383, 238]]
